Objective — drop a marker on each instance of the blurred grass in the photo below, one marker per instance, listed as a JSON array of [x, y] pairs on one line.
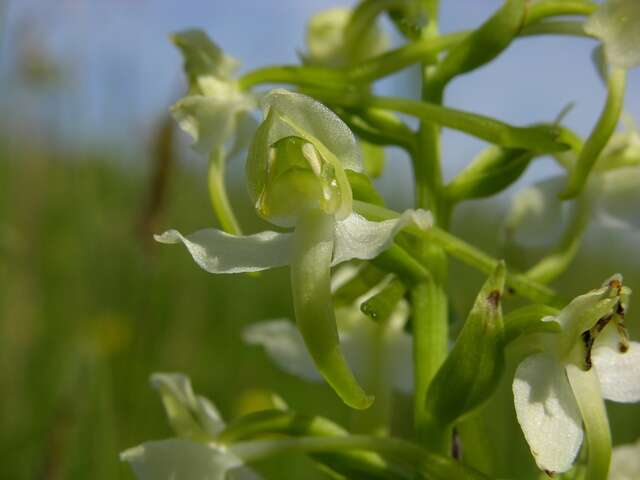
[[88, 310]]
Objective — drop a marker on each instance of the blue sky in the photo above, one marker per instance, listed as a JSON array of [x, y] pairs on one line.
[[123, 72]]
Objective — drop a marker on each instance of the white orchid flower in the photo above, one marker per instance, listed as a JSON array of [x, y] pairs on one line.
[[297, 179], [215, 112], [215, 107], [333, 40], [615, 23], [625, 462], [562, 384], [195, 454]]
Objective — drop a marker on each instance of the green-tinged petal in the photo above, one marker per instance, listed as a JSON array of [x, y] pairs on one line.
[[285, 346], [625, 462], [203, 58], [311, 290], [357, 237], [211, 121], [619, 373], [547, 412], [328, 149], [190, 415], [584, 312], [616, 22], [219, 252], [177, 459]]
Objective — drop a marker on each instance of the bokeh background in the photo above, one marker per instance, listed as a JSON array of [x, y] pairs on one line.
[[91, 165]]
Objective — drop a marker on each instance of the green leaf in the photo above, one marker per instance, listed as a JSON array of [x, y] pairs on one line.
[[490, 172], [473, 368]]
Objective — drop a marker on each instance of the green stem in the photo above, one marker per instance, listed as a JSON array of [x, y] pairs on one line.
[[600, 135], [430, 337], [556, 8], [588, 394], [558, 27], [311, 291], [468, 254], [218, 193], [435, 466], [541, 138]]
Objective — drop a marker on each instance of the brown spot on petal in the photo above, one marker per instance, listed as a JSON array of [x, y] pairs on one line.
[[615, 283], [623, 347], [494, 298], [549, 473]]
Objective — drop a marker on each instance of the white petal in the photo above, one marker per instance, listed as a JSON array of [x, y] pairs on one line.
[[357, 237], [284, 345], [210, 121], [619, 373], [188, 413], [177, 459], [536, 215], [316, 120], [547, 412], [625, 462], [219, 252], [615, 22]]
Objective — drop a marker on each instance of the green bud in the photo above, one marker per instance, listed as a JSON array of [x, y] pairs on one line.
[[380, 306], [363, 188], [483, 45], [490, 172], [472, 370]]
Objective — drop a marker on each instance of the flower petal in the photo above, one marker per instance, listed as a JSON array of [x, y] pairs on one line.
[[547, 412], [177, 459], [619, 373], [284, 345], [357, 237], [211, 121], [189, 414], [615, 22], [625, 462], [536, 215], [219, 252]]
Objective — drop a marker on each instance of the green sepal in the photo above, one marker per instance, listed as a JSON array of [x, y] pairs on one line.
[[473, 368], [362, 188], [490, 172], [382, 304], [378, 127], [202, 58], [483, 45], [396, 259], [528, 320]]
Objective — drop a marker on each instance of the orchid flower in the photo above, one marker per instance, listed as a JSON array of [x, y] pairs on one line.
[[562, 384], [216, 112], [625, 462], [380, 352], [195, 454], [334, 40], [615, 22], [297, 178]]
